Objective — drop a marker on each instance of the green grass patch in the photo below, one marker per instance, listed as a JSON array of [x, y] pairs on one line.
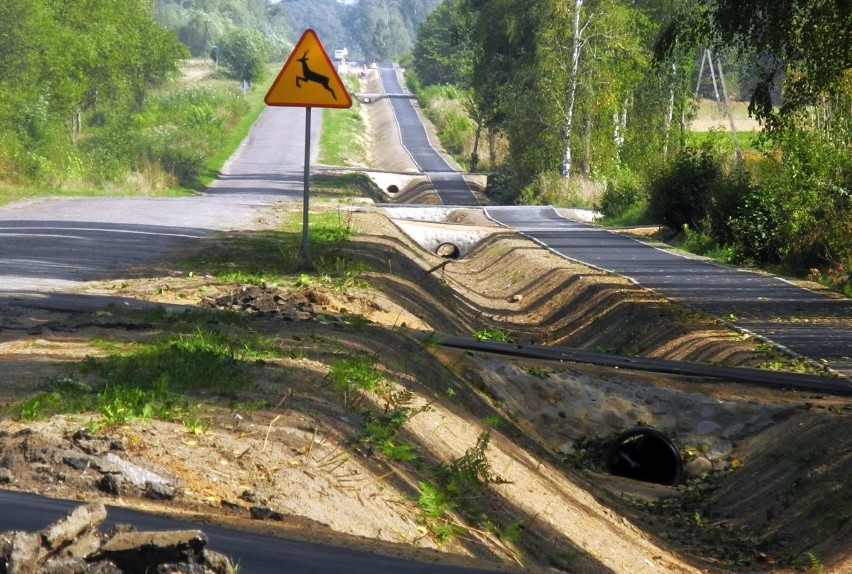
[[342, 140], [148, 380], [634, 215], [274, 257], [346, 185], [232, 138]]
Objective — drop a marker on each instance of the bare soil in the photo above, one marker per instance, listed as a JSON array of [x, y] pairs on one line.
[[759, 498]]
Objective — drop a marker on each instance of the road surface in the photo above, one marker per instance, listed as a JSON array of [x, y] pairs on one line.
[[254, 553], [448, 183], [808, 323]]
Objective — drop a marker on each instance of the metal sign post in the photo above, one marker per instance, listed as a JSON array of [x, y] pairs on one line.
[[308, 79], [306, 256]]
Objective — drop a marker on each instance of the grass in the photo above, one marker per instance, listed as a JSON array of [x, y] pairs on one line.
[[149, 380], [346, 186], [342, 140], [234, 138], [274, 257], [461, 485]]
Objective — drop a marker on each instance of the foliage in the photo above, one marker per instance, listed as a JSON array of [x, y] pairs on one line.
[[444, 106], [202, 25], [552, 189], [681, 195], [354, 373], [458, 486], [244, 53], [342, 139], [202, 359], [623, 190], [268, 256], [491, 335], [143, 383], [68, 67], [804, 42], [442, 52]]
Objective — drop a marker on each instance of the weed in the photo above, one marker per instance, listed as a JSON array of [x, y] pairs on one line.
[[815, 564], [492, 420], [355, 372], [435, 506], [486, 334], [462, 484], [538, 372], [381, 429]]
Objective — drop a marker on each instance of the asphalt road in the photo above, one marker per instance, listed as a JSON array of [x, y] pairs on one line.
[[48, 245], [806, 322], [255, 554], [448, 183]]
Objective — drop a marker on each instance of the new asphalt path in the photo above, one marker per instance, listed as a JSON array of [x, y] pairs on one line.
[[448, 183], [812, 324]]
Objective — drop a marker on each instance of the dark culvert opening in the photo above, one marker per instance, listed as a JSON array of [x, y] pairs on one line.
[[448, 251], [645, 454], [393, 188]]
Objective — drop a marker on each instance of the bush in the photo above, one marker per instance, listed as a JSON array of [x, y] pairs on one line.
[[681, 195], [748, 218], [503, 186], [623, 191], [243, 54]]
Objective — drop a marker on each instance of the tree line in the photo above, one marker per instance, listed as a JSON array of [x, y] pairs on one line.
[[369, 29], [603, 91], [86, 98]]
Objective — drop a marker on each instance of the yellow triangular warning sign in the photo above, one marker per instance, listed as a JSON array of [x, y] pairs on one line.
[[308, 79]]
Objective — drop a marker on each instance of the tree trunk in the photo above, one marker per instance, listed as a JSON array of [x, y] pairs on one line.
[[586, 164], [474, 155], [572, 92], [669, 114], [619, 122]]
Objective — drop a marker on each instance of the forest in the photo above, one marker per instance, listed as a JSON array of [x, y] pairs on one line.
[[563, 95], [553, 97]]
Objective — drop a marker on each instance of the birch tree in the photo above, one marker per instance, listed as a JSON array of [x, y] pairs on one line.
[[568, 123]]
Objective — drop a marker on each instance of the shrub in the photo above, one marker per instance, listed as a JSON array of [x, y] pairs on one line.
[[623, 191], [552, 189], [503, 186], [748, 218], [681, 195]]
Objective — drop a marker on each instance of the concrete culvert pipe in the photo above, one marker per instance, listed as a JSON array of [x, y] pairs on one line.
[[645, 454], [448, 251], [392, 188]]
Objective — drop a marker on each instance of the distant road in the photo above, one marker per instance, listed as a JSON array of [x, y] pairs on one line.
[[448, 183], [47, 246], [809, 323]]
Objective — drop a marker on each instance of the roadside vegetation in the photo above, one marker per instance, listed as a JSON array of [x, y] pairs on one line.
[[599, 104]]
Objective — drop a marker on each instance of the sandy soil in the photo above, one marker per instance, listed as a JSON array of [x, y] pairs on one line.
[[759, 497]]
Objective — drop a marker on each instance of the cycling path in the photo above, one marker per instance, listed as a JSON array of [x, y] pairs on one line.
[[448, 183], [809, 323]]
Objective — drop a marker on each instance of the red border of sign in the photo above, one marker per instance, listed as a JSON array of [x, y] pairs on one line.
[[343, 104]]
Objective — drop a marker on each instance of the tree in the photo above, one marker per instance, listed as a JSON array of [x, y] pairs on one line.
[[443, 53], [807, 44], [243, 53]]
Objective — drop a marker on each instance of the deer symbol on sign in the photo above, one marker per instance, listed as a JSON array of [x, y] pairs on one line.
[[309, 75]]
